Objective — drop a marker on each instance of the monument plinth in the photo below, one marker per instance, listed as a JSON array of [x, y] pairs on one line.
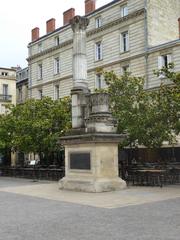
[[91, 149]]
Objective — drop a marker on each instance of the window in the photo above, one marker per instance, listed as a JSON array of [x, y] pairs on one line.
[[4, 73], [124, 10], [40, 71], [20, 93], [57, 41], [124, 42], [98, 51], [40, 47], [40, 93], [163, 61], [56, 65], [98, 22], [57, 92], [125, 69], [100, 83], [5, 91], [3, 109]]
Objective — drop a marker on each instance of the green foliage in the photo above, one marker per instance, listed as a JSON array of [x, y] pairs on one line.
[[36, 125], [149, 117]]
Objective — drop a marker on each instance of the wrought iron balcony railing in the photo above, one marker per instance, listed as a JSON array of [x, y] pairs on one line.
[[5, 98]]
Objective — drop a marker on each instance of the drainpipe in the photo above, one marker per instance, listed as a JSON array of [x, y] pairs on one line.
[[146, 44]]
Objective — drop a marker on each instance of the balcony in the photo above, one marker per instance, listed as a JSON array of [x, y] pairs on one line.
[[5, 98]]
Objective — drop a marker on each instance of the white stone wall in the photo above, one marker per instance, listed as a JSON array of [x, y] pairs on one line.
[[160, 29], [134, 5], [10, 80], [162, 21]]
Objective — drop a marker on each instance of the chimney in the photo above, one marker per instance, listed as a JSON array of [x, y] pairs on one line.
[[179, 26], [50, 25], [90, 6], [68, 15], [35, 34]]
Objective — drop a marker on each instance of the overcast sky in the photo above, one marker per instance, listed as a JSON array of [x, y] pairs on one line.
[[17, 18]]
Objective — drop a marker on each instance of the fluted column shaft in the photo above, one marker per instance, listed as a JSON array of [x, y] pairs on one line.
[[79, 25], [79, 62]]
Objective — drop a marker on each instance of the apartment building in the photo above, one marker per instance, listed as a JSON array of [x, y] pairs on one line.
[[138, 35], [7, 87], [21, 85]]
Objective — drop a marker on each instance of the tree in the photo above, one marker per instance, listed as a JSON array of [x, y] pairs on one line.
[[37, 125], [6, 129], [149, 117]]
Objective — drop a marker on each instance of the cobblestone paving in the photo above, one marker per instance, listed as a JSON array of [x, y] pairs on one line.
[[24, 217]]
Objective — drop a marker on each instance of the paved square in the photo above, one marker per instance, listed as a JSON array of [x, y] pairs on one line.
[[38, 210]]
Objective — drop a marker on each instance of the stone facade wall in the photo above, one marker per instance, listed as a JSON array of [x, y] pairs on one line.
[[109, 34], [162, 21]]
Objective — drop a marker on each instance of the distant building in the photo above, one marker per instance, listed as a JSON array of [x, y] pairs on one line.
[[7, 88], [21, 85]]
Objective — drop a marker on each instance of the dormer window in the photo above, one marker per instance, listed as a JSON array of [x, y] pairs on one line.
[[98, 22], [4, 73], [124, 10], [40, 47], [57, 41]]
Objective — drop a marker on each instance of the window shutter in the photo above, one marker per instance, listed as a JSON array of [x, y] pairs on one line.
[[160, 62], [122, 12], [54, 66], [169, 58], [101, 49], [127, 41], [121, 43]]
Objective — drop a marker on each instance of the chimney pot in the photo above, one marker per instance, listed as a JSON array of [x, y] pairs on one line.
[[50, 25], [35, 34], [68, 15], [90, 6]]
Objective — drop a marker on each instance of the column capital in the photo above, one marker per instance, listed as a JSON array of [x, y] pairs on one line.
[[79, 23]]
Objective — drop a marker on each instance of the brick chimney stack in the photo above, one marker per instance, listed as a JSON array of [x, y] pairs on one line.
[[90, 6], [68, 15], [35, 34], [50, 25], [179, 26]]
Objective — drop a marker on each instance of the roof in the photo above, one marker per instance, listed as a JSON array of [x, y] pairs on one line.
[[164, 45], [8, 69], [87, 15]]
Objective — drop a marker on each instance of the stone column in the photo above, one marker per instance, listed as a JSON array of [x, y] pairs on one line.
[[79, 25], [80, 85]]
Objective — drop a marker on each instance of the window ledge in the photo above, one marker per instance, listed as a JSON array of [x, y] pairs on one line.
[[56, 74], [124, 52], [99, 60]]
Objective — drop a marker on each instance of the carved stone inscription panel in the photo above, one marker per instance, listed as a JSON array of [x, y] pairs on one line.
[[80, 161]]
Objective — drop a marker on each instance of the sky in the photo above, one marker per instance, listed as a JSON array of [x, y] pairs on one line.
[[18, 18]]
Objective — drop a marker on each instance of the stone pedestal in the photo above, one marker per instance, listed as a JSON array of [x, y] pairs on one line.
[[91, 163]]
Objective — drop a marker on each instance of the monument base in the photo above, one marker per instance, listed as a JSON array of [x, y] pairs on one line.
[[91, 163], [99, 185]]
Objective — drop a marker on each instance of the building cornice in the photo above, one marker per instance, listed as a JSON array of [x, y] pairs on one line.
[[90, 33], [8, 78], [164, 46]]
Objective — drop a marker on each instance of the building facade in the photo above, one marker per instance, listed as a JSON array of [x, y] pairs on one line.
[[7, 88], [135, 35], [122, 34], [21, 85]]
